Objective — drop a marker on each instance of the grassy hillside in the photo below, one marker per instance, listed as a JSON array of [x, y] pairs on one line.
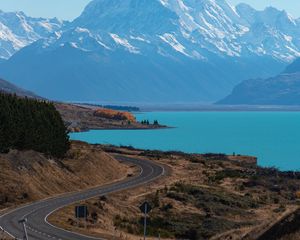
[[27, 175]]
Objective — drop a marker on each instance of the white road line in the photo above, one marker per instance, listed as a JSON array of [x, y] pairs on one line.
[[89, 194]]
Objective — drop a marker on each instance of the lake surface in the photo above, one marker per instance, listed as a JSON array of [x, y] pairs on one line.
[[274, 137]]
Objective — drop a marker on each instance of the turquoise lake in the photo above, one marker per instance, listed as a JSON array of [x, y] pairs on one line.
[[274, 137]]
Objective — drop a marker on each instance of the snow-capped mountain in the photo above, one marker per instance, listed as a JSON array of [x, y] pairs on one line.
[[157, 50], [18, 30], [271, 32], [192, 27]]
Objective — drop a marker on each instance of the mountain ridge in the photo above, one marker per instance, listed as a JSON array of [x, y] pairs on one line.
[[19, 30], [7, 87], [120, 51], [283, 89]]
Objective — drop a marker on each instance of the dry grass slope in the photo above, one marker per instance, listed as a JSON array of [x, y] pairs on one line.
[[28, 176]]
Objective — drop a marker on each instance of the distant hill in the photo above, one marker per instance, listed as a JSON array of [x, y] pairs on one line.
[[7, 87], [283, 89]]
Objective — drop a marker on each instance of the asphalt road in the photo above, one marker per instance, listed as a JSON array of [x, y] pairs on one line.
[[37, 213]]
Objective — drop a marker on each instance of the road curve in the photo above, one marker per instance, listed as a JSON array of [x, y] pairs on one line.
[[37, 213]]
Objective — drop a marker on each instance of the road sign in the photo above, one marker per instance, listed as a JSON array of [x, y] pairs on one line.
[[81, 211], [145, 208]]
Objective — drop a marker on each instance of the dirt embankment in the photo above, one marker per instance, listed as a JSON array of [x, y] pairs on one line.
[[29, 176], [80, 118]]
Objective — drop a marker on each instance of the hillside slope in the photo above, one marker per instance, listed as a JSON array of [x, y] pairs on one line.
[[7, 87], [28, 175]]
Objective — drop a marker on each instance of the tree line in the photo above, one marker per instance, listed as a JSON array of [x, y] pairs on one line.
[[146, 122], [29, 124]]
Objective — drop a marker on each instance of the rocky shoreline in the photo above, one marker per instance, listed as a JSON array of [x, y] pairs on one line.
[[84, 118]]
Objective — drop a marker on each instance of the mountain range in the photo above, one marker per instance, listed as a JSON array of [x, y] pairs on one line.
[[283, 89], [18, 30], [151, 51]]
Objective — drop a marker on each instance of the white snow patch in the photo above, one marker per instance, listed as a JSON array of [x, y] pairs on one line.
[[140, 39], [295, 53], [74, 45], [288, 38], [197, 55], [172, 41], [182, 5], [46, 25], [164, 2], [7, 35], [58, 34], [82, 30], [124, 43]]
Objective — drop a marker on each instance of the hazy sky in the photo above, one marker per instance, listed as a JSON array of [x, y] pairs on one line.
[[291, 6], [69, 9]]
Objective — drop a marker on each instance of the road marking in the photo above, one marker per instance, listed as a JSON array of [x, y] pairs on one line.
[[91, 193]]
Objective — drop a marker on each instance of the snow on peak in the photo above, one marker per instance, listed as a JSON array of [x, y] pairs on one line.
[[19, 30], [172, 41], [124, 42], [190, 26], [194, 28]]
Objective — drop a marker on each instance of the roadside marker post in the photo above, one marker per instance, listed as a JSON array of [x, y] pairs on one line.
[[145, 208], [145, 222], [23, 222]]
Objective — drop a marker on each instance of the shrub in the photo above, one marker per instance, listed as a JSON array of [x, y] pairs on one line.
[[115, 115]]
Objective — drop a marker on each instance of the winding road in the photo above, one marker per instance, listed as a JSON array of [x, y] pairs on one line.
[[37, 213]]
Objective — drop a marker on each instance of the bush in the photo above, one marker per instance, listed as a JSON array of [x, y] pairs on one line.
[[167, 207], [227, 173]]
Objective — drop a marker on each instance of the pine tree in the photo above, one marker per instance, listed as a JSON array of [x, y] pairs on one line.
[[31, 124]]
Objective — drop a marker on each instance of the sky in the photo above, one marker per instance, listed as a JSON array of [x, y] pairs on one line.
[[70, 9]]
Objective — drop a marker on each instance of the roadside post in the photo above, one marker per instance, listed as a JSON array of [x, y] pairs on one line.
[[23, 222], [145, 208]]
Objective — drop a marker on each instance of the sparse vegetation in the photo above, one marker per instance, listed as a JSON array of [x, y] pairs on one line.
[[201, 196]]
